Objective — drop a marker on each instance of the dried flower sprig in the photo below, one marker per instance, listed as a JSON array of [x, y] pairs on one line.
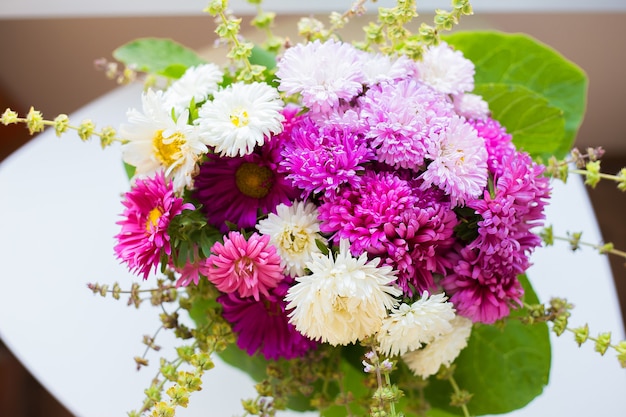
[[36, 123]]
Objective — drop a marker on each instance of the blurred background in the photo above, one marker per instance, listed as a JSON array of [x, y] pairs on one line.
[[48, 62]]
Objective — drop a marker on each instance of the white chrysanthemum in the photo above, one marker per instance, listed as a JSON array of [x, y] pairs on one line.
[[471, 106], [197, 83], [442, 351], [344, 299], [410, 326], [157, 142], [459, 162], [240, 117], [379, 67], [293, 230], [322, 73], [446, 70]]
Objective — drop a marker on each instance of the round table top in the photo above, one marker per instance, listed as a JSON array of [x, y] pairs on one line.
[[60, 199]]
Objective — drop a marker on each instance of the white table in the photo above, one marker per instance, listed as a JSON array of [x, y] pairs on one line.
[[59, 200]]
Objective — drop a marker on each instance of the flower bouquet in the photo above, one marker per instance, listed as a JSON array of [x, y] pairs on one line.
[[349, 223]]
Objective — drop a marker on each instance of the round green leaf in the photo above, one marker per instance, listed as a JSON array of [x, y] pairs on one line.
[[157, 56], [520, 60], [528, 116]]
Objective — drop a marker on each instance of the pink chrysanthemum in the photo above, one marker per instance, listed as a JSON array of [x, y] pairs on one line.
[[483, 283], [248, 267], [388, 217], [263, 326], [459, 162], [402, 118], [235, 190], [497, 141], [150, 206], [319, 160], [322, 73]]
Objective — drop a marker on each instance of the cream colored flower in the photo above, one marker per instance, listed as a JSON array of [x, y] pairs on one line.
[[293, 230], [343, 299], [442, 351], [410, 326]]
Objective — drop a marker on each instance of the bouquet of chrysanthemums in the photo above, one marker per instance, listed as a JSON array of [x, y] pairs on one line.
[[350, 223]]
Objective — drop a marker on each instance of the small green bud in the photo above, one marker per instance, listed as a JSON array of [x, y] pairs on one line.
[[8, 117], [179, 395], [581, 334], [86, 129], [264, 20], [593, 173], [606, 248], [107, 136], [216, 7], [603, 342], [61, 124], [461, 398], [162, 409], [153, 393], [547, 235], [34, 121]]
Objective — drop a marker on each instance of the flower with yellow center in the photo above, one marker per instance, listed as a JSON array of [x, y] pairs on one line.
[[294, 231], [157, 142], [240, 117]]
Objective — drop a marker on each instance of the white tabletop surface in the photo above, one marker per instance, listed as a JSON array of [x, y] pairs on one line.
[[59, 201]]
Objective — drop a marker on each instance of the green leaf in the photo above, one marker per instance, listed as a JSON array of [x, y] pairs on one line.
[[504, 368], [519, 60], [263, 57], [528, 116], [157, 56]]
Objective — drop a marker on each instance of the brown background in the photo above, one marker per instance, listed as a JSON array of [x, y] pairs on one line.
[[48, 63]]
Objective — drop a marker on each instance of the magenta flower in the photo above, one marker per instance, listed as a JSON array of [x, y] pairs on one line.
[[237, 189], [320, 160], [150, 206], [390, 218], [483, 283], [262, 326], [497, 141], [249, 268]]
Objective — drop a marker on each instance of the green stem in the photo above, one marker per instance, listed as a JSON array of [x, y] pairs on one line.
[[601, 248], [457, 391]]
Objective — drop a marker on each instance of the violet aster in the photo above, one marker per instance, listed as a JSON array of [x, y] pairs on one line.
[[262, 325], [402, 117]]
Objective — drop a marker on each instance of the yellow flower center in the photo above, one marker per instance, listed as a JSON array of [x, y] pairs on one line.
[[168, 150], [253, 180], [293, 240], [153, 218], [239, 117]]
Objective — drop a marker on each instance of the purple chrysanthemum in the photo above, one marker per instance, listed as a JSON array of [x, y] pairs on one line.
[[235, 190], [320, 160], [323, 74], [497, 141], [388, 217], [263, 326], [483, 282], [150, 206], [402, 118]]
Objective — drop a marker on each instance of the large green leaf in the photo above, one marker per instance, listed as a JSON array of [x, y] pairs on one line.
[[158, 56], [520, 60], [504, 368]]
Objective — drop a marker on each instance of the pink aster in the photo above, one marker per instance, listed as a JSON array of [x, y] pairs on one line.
[[318, 160], [402, 118], [459, 162], [150, 206], [323, 73], [236, 190], [483, 283], [263, 326], [249, 267]]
